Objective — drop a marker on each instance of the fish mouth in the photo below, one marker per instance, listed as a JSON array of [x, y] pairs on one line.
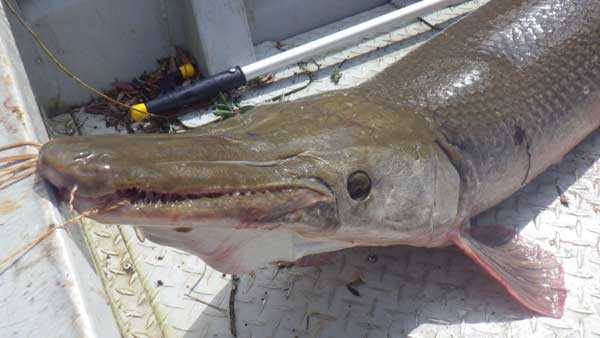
[[140, 198], [256, 207], [263, 207]]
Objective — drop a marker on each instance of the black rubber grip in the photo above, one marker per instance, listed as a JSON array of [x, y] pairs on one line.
[[195, 92]]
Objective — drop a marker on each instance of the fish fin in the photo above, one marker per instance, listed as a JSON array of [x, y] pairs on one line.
[[529, 273], [239, 251], [225, 249]]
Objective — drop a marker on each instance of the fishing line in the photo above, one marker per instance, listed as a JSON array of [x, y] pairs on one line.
[[8, 260], [21, 144], [16, 178], [14, 168], [17, 158], [72, 198], [30, 163]]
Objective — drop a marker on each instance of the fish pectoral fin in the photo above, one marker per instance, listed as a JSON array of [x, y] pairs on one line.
[[529, 273]]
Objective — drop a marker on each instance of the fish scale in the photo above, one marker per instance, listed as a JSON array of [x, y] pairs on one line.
[[538, 69]]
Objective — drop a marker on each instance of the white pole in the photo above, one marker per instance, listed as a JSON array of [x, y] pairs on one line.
[[344, 37]]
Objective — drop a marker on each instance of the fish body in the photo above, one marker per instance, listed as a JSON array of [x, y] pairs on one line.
[[407, 158], [512, 87]]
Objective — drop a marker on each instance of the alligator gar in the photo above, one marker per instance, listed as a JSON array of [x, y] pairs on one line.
[[407, 158]]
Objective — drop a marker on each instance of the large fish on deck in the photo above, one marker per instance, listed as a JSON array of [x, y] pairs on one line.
[[406, 158]]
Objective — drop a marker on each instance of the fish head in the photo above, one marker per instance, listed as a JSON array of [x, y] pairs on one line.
[[333, 167]]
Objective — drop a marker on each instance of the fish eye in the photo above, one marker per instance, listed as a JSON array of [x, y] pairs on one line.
[[359, 185]]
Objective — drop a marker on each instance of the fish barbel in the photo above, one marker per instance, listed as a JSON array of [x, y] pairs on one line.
[[407, 158]]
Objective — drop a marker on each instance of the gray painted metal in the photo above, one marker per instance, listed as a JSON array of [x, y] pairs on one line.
[[219, 34], [274, 20]]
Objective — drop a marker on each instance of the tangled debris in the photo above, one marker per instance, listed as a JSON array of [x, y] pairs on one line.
[[145, 87], [336, 74]]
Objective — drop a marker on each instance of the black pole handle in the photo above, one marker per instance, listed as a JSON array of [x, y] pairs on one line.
[[186, 95]]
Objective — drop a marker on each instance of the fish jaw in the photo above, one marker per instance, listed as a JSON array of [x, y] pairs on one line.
[[101, 180], [259, 207]]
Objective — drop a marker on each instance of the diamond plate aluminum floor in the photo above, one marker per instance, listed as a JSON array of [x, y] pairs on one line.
[[159, 291]]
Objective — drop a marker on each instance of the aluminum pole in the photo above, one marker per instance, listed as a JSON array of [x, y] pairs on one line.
[[344, 37]]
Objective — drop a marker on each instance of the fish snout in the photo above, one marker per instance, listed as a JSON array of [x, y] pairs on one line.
[[66, 164]]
